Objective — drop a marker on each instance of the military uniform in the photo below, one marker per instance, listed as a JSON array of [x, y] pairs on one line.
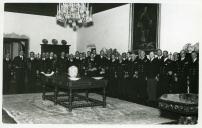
[[141, 81]]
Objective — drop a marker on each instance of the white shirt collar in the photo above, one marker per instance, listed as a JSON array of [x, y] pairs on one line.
[[159, 57]]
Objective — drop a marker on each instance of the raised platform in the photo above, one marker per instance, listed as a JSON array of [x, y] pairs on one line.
[[31, 109]]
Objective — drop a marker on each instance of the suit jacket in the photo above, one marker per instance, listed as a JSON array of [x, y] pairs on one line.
[[101, 61], [183, 68], [141, 67], [32, 65], [165, 67], [20, 63], [194, 70], [61, 65], [152, 68]]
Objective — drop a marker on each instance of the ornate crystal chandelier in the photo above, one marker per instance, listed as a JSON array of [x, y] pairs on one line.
[[74, 14]]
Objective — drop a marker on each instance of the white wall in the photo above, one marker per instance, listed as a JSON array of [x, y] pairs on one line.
[[110, 30], [181, 23], [37, 28]]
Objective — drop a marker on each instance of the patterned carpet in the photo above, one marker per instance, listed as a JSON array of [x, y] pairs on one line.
[[31, 109]]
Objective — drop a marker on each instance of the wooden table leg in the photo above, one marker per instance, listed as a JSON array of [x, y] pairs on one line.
[[104, 97], [55, 95], [70, 100], [44, 92]]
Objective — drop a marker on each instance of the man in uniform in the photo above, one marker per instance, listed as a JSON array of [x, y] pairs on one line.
[[141, 70]]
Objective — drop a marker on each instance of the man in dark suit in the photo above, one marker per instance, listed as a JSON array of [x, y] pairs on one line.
[[120, 78], [77, 59], [194, 73], [152, 71], [43, 63], [7, 69], [50, 62], [33, 70], [165, 75], [61, 66], [102, 63], [71, 61], [92, 67], [159, 57], [19, 63], [112, 77], [182, 72]]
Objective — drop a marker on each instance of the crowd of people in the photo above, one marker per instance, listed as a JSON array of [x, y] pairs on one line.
[[132, 76]]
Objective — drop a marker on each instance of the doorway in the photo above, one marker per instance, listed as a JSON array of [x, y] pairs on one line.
[[14, 44]]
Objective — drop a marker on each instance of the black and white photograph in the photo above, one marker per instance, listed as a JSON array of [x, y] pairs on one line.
[[101, 62]]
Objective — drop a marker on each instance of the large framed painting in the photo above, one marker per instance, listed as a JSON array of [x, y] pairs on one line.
[[144, 26]]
